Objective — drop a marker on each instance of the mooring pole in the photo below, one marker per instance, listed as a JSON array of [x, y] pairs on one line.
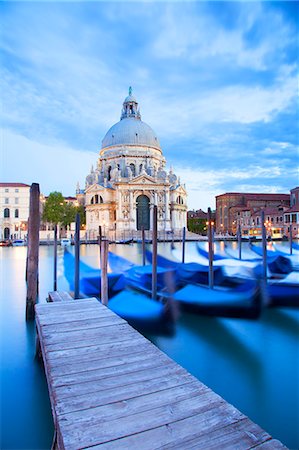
[[183, 244], [77, 257], [104, 277], [154, 259], [55, 259], [211, 250], [240, 241], [143, 245], [291, 239], [264, 246], [32, 251]]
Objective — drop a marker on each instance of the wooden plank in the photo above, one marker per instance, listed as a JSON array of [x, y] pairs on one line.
[[65, 296], [105, 430], [54, 297], [100, 350], [98, 374], [114, 380], [119, 393], [94, 364], [83, 324]]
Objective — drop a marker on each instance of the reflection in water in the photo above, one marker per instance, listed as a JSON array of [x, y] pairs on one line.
[[252, 364]]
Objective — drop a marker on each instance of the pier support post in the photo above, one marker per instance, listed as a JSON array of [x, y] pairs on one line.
[[211, 249], [143, 245], [55, 258], [240, 241], [32, 251], [291, 239], [154, 259], [104, 277], [264, 246], [183, 244], [77, 257]]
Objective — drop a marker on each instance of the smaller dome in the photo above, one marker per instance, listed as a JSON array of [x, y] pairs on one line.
[[130, 98]]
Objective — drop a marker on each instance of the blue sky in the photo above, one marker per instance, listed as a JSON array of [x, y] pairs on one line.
[[215, 80]]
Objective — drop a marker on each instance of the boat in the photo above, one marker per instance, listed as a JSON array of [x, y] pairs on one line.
[[284, 292], [141, 312], [295, 246], [205, 253], [119, 264], [65, 242], [5, 243], [243, 301], [90, 278], [276, 262], [18, 242], [191, 272]]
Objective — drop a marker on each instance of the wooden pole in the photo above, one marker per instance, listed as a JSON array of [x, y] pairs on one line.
[[143, 245], [55, 258], [264, 246], [240, 241], [32, 251], [154, 259], [183, 244], [77, 257], [211, 250], [291, 239], [100, 235], [104, 277]]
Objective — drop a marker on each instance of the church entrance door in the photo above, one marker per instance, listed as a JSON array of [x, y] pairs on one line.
[[143, 212]]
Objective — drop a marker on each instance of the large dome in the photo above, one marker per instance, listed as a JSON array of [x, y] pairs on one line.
[[131, 131]]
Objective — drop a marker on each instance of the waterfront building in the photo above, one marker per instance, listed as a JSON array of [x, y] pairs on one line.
[[14, 210], [234, 209], [129, 179], [291, 216]]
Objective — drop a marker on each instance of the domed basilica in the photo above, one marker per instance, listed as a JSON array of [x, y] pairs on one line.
[[129, 179]]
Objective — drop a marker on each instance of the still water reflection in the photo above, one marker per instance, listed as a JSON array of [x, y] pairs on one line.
[[252, 364]]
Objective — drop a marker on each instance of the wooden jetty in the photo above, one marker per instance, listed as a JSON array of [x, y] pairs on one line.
[[111, 388]]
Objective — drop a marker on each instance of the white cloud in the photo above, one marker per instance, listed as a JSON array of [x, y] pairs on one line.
[[55, 168]]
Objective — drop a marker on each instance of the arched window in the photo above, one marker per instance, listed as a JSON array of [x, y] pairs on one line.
[[101, 199], [132, 167], [96, 199], [109, 173], [140, 168], [179, 200], [16, 213], [6, 212], [92, 201]]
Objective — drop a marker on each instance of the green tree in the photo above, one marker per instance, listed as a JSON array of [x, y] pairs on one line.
[[196, 225], [81, 210], [68, 214], [54, 208]]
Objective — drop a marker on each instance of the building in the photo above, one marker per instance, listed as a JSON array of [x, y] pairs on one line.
[[14, 204], [129, 179], [234, 209], [291, 216]]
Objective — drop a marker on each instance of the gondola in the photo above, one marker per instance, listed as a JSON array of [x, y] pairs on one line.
[[276, 262], [90, 278], [136, 308], [189, 272], [283, 292], [243, 301]]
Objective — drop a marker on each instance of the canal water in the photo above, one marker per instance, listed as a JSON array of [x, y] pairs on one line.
[[252, 364]]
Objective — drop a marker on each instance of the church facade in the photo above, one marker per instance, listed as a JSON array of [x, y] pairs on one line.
[[129, 179]]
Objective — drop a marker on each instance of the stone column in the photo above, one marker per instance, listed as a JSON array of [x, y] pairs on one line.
[[131, 209]]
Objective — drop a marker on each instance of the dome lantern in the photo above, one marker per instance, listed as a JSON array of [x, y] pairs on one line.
[[130, 107]]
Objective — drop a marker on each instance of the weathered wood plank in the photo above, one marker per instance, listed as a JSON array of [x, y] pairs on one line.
[[114, 379], [106, 430], [83, 324], [97, 374], [95, 364], [99, 350], [119, 393]]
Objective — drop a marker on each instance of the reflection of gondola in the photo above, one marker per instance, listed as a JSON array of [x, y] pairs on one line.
[[138, 309]]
